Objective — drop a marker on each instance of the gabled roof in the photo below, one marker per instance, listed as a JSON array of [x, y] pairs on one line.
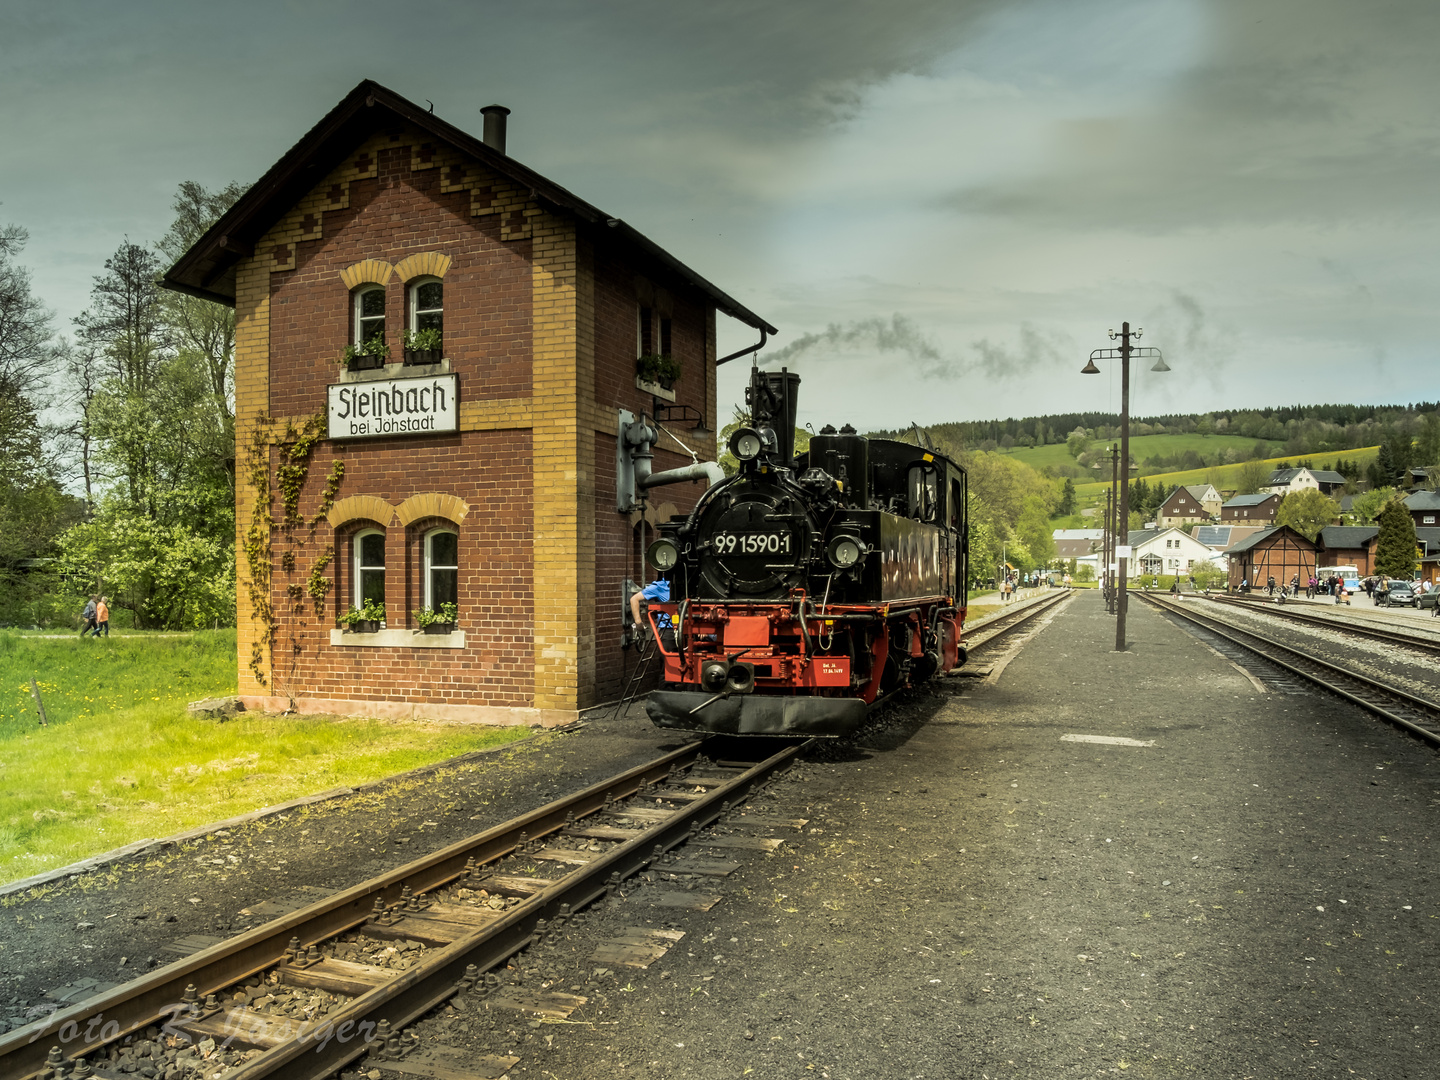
[[1423, 500], [1326, 476], [1199, 490], [1136, 537], [208, 269], [1077, 534], [1252, 500], [1282, 476], [1347, 536], [1260, 537]]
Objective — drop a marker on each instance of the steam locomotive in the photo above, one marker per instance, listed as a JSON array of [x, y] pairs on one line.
[[805, 590]]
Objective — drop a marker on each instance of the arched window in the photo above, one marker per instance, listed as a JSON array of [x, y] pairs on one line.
[[427, 304], [442, 568], [369, 303], [369, 551]]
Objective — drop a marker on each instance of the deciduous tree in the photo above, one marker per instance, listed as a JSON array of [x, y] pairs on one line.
[[1307, 512]]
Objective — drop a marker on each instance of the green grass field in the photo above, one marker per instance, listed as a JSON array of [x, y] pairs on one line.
[[1227, 476], [1141, 447], [122, 760]]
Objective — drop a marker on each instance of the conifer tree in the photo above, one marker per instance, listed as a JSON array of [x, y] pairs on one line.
[[1395, 546]]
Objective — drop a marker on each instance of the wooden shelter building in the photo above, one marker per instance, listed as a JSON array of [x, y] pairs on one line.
[[1281, 553]]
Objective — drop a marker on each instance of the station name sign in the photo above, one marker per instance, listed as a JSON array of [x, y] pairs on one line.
[[370, 410]]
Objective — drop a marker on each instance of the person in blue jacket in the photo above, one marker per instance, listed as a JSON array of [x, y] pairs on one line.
[[657, 591]]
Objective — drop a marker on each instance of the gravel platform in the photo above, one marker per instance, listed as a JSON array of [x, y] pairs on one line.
[[1250, 893], [977, 896]]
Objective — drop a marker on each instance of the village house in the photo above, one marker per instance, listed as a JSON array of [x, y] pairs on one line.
[[439, 396], [1187, 504], [1424, 507], [1250, 509], [1166, 551], [1283, 481], [1076, 543]]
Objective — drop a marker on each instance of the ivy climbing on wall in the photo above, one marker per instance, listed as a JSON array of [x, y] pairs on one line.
[[293, 448]]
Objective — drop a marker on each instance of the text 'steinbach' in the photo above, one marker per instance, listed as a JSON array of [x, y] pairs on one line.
[[369, 410]]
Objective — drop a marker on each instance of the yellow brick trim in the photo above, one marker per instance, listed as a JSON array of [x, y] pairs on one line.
[[432, 504], [360, 508], [562, 300], [496, 414], [367, 272], [425, 264], [252, 400]]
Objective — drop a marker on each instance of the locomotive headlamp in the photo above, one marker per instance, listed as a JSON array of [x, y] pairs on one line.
[[844, 552], [662, 554], [746, 444]]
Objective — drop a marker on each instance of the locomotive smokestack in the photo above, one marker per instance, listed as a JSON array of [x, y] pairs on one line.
[[494, 136], [773, 397]]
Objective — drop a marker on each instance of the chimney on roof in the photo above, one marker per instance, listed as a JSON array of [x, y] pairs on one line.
[[494, 136]]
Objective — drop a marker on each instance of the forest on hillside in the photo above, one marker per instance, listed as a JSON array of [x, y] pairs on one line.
[[1408, 435]]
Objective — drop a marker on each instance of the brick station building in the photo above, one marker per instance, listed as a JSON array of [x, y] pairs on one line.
[[485, 474]]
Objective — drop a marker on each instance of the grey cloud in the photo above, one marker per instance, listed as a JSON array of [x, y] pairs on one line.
[[1314, 111]]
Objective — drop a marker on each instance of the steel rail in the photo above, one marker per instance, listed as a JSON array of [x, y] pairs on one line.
[[132, 1006], [420, 989], [1395, 637], [1418, 704], [1008, 621]]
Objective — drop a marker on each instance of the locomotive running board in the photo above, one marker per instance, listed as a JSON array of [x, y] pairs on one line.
[[755, 714]]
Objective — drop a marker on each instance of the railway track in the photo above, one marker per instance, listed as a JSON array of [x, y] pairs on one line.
[[1007, 622], [460, 911], [1290, 613], [1416, 715]]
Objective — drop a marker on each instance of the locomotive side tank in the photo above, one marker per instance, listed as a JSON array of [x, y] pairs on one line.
[[806, 590]]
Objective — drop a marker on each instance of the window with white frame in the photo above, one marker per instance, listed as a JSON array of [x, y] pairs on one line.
[[369, 552], [442, 568], [369, 307], [427, 304]]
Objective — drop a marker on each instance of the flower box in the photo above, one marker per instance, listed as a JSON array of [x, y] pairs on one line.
[[439, 628], [422, 356], [365, 626], [655, 389], [366, 362]]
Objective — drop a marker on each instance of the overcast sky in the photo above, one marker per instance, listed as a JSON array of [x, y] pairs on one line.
[[943, 206]]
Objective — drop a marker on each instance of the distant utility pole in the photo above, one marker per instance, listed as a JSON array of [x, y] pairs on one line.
[[1123, 354]]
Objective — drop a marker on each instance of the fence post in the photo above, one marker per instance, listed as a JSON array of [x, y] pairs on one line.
[[39, 705]]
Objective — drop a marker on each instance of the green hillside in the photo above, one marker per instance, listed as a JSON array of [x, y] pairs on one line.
[[1142, 447], [1227, 476]]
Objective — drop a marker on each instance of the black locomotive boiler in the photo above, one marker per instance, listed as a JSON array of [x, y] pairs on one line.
[[804, 590]]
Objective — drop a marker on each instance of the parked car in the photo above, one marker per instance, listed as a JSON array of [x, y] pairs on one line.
[[1429, 599], [1402, 594]]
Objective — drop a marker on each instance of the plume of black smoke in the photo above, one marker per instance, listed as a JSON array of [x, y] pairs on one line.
[[900, 335], [897, 334]]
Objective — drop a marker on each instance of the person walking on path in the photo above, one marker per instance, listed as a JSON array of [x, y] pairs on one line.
[[88, 616], [102, 618], [1270, 585]]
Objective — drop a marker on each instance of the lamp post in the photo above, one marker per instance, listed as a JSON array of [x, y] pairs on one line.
[[1123, 354]]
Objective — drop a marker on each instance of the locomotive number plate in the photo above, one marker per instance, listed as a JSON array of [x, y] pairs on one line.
[[775, 543]]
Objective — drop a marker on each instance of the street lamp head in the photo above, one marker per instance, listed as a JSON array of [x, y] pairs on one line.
[[1090, 368], [1112, 334], [1160, 365], [1137, 331]]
